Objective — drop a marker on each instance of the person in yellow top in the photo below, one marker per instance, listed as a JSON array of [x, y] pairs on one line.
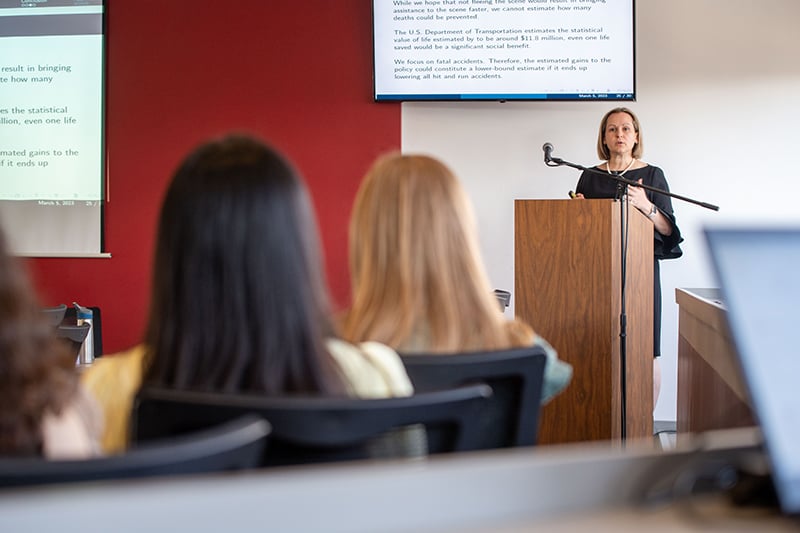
[[239, 303]]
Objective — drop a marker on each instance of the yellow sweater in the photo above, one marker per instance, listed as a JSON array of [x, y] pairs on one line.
[[114, 380], [371, 370]]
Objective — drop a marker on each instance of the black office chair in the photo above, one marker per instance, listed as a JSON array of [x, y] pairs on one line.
[[320, 429], [235, 445], [73, 335], [54, 315], [66, 327], [511, 416], [70, 317], [503, 298]]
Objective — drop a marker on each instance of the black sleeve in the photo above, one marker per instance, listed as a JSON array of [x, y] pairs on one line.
[[666, 246], [580, 188]]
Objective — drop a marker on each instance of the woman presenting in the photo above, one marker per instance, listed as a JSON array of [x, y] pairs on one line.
[[619, 144]]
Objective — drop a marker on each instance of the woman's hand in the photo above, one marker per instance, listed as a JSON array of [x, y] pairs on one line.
[[638, 199]]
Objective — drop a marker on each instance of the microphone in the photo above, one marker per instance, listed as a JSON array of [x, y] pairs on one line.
[[548, 148]]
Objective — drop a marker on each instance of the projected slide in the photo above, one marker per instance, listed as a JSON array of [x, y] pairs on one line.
[[51, 118]]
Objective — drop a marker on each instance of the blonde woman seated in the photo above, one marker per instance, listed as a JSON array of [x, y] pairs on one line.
[[418, 280], [44, 412], [239, 303]]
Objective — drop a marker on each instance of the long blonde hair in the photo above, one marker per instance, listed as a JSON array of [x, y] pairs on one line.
[[416, 266]]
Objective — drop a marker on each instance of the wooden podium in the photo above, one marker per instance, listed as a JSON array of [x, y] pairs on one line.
[[568, 273]]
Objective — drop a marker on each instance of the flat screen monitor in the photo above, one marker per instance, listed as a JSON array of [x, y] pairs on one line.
[[504, 50]]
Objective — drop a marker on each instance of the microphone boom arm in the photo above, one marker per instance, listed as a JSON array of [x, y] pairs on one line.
[[557, 162]]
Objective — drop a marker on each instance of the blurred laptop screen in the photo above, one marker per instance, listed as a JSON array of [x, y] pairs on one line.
[[757, 271]]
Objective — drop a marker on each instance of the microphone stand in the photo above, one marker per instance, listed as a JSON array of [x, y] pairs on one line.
[[557, 162], [623, 209]]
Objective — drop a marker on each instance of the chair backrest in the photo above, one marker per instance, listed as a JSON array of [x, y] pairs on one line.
[[511, 417], [70, 317], [235, 445], [320, 429], [73, 335], [54, 315], [503, 297]]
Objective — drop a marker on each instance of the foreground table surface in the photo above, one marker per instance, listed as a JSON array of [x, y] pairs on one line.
[[557, 488]]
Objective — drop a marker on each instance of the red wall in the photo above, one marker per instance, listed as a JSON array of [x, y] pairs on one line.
[[297, 74]]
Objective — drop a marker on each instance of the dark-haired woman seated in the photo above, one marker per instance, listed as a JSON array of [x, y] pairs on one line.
[[239, 303]]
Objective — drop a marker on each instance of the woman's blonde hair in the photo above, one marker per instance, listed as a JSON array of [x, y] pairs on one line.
[[415, 263]]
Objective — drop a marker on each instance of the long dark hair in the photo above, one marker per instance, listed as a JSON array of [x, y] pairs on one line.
[[37, 373], [239, 302]]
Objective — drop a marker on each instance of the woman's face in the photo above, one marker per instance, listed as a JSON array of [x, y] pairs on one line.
[[620, 136]]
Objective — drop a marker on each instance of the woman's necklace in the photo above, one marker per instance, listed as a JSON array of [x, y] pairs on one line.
[[608, 168]]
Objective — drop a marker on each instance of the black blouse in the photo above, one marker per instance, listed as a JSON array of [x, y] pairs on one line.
[[594, 185]]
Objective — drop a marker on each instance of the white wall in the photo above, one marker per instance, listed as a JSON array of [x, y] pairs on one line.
[[718, 84]]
